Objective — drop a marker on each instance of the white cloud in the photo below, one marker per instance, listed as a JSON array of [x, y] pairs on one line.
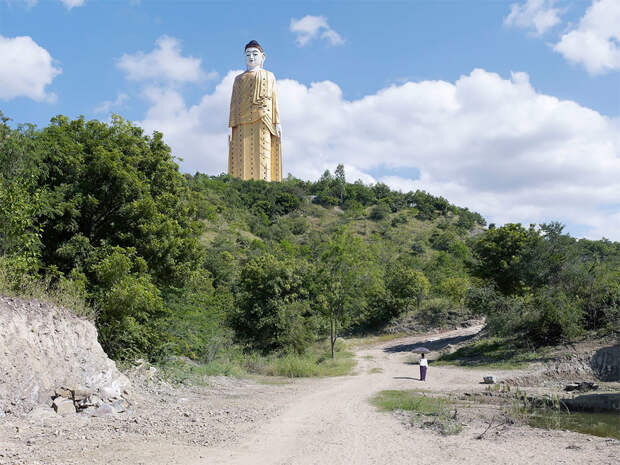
[[595, 42], [164, 63], [26, 69], [106, 106], [67, 3], [310, 27], [492, 144], [537, 15], [73, 3]]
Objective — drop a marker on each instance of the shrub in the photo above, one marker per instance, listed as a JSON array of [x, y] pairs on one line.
[[547, 317], [552, 317], [127, 322], [272, 305], [435, 311], [481, 300], [417, 248], [299, 226], [379, 211], [399, 219]]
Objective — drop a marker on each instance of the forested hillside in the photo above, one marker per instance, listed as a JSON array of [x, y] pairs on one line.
[[99, 217]]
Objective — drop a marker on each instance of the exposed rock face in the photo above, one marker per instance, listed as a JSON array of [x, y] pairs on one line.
[[589, 365], [48, 353], [606, 363]]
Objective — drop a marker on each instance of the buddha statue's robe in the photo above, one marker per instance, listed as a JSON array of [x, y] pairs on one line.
[[255, 146]]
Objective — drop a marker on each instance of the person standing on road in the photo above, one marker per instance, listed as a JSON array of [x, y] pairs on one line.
[[423, 367]]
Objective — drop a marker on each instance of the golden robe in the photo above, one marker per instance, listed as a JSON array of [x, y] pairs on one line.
[[255, 146]]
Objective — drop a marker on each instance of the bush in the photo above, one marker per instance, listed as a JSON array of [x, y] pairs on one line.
[[399, 219], [435, 311], [299, 225], [272, 307], [379, 211], [546, 317], [481, 300], [552, 317], [17, 279], [195, 326], [417, 248]]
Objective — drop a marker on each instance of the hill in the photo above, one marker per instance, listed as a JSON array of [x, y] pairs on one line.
[[222, 271]]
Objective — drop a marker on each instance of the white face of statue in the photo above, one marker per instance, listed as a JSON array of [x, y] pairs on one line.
[[254, 58]]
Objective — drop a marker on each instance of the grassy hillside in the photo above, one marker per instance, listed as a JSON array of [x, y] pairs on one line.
[[215, 269]]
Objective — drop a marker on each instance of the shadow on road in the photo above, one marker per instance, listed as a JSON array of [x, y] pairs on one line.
[[433, 345], [405, 377]]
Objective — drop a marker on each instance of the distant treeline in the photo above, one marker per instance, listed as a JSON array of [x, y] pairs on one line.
[[199, 265]]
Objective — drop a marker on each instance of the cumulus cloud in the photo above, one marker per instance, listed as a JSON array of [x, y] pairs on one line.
[[490, 143], [536, 15], [164, 63], [106, 106], [310, 27], [595, 41], [26, 69]]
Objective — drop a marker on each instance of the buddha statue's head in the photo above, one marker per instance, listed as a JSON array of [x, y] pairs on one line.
[[254, 56]]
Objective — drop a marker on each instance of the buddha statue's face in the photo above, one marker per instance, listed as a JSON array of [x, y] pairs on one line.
[[254, 58]]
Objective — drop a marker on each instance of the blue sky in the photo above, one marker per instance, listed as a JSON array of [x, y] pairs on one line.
[[441, 95]]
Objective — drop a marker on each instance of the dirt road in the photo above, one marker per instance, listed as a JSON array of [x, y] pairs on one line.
[[317, 421], [335, 424]]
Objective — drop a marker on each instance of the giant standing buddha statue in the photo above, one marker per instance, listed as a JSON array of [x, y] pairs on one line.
[[254, 148]]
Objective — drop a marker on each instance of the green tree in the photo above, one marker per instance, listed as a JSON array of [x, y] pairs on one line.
[[502, 255], [407, 287], [129, 304], [345, 279], [112, 184], [455, 287], [340, 182], [272, 305], [20, 234]]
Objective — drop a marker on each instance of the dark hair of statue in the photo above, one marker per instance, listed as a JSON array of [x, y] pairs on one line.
[[253, 44]]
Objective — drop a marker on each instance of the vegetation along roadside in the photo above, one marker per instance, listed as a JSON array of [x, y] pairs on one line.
[[223, 271]]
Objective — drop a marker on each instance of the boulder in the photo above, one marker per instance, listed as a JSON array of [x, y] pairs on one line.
[[63, 406], [81, 393], [63, 392], [581, 386], [490, 379]]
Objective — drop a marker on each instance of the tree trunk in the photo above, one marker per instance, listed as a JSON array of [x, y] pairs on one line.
[[332, 336]]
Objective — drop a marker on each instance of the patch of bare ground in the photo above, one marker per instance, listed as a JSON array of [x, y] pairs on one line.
[[311, 421], [163, 420]]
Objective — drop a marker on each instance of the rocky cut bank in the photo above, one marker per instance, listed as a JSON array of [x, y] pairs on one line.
[[50, 357]]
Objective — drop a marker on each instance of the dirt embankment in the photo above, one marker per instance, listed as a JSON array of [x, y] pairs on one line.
[[43, 349]]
